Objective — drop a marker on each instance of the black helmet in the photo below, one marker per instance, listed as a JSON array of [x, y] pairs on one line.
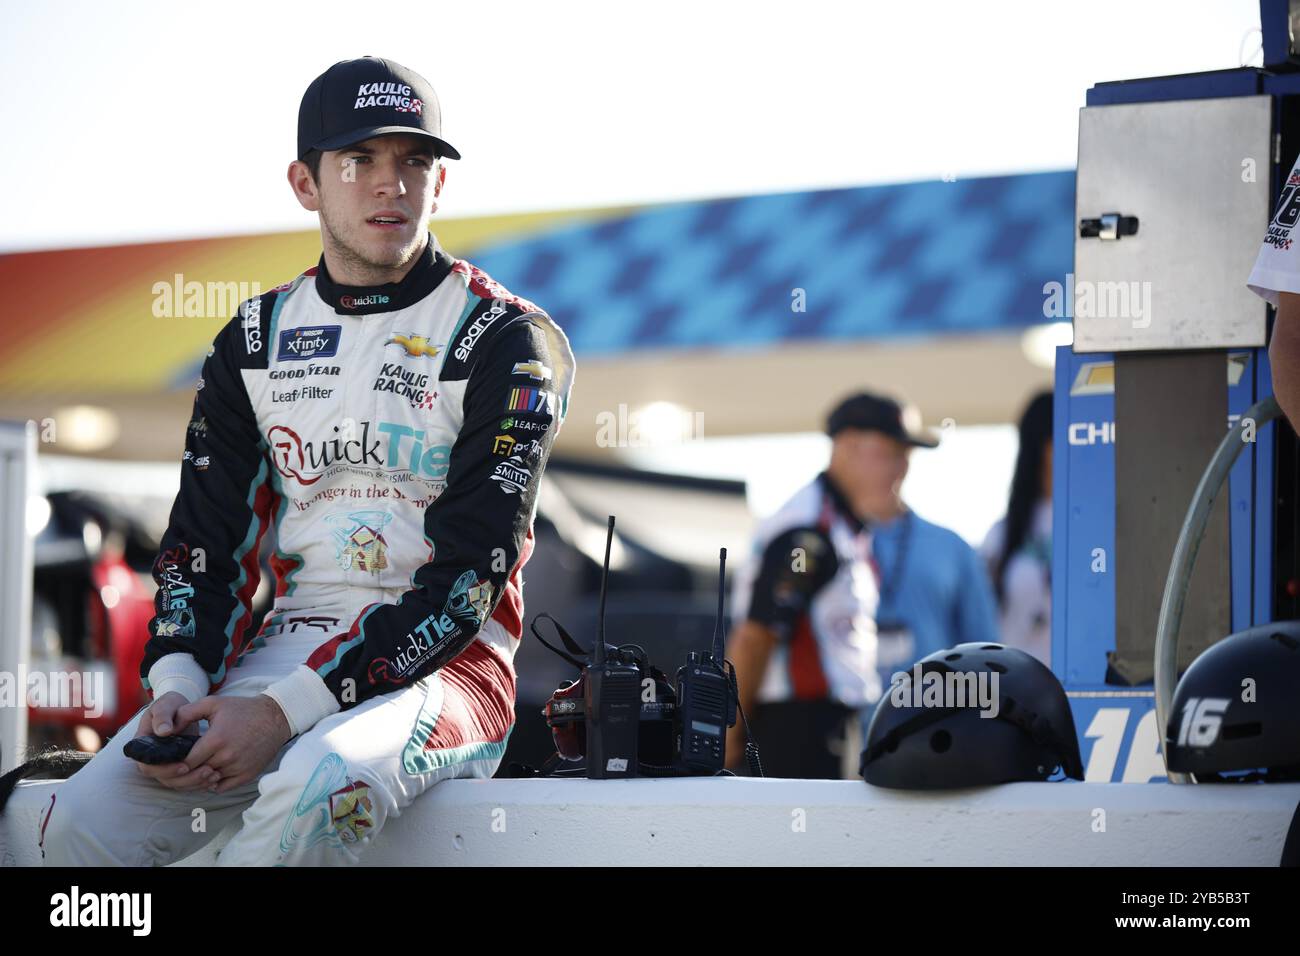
[[946, 743], [1219, 723]]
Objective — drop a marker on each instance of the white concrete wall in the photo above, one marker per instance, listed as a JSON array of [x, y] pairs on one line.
[[744, 821]]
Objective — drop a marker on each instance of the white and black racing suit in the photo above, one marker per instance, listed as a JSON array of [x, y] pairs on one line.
[[394, 438]]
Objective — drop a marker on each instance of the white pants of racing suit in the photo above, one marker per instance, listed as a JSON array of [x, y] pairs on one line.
[[320, 801]]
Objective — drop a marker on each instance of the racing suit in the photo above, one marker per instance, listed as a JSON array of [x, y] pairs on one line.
[[393, 437]]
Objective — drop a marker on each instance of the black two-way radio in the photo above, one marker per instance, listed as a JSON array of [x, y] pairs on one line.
[[706, 705], [613, 701]]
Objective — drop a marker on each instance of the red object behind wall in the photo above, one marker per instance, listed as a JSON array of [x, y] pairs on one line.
[[119, 605]]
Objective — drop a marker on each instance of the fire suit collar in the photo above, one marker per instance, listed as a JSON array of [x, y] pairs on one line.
[[841, 502], [432, 267]]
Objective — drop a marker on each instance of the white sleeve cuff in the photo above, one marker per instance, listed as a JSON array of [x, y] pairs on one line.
[[304, 698], [1267, 283], [179, 673]]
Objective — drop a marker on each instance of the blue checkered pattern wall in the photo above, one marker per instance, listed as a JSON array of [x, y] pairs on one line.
[[875, 262]]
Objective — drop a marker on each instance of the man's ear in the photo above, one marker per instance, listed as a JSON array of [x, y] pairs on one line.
[[304, 187], [442, 178]]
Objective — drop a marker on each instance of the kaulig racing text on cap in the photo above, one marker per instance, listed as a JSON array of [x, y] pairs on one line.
[[356, 99]]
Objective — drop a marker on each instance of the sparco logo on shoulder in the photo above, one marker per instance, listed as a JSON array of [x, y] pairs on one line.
[[253, 325], [479, 326]]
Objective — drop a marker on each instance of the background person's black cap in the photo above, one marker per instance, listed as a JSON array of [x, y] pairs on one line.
[[879, 414], [356, 99]]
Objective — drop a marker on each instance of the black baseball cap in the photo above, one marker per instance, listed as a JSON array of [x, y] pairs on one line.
[[356, 99], [879, 414]]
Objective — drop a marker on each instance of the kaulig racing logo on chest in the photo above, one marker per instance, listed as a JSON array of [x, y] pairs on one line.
[[308, 461], [412, 386], [300, 344], [477, 328]]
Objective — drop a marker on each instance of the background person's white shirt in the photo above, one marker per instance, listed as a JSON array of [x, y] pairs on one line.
[[1025, 617], [1277, 267]]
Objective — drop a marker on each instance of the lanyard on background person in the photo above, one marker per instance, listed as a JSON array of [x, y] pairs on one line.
[[890, 586], [895, 642]]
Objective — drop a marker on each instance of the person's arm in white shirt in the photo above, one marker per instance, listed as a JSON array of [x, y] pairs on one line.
[[1284, 355]]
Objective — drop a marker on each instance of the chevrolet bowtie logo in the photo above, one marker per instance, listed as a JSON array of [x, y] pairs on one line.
[[414, 344], [534, 370]]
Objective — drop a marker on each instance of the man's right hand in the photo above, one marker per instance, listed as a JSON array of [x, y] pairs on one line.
[[160, 719]]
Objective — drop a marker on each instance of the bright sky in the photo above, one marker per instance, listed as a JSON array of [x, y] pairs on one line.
[[135, 121]]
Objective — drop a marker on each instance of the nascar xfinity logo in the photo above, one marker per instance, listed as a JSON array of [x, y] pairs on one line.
[[320, 342], [477, 328], [308, 461]]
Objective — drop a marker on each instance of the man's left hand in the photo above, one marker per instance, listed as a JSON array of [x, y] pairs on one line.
[[244, 735]]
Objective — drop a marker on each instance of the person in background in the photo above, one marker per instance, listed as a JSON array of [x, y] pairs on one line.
[[1018, 548], [934, 592], [840, 555], [1275, 277]]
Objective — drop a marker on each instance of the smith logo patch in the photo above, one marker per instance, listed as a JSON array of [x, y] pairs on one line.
[[307, 343]]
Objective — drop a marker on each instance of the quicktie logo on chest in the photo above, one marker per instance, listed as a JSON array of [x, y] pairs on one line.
[[432, 462], [308, 461]]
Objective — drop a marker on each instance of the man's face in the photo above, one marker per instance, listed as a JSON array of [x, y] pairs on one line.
[[374, 199], [875, 463]]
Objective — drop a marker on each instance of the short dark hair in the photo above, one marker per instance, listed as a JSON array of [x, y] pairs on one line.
[[312, 159]]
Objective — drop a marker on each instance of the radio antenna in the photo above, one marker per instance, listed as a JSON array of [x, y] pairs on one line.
[[717, 623], [599, 657]]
